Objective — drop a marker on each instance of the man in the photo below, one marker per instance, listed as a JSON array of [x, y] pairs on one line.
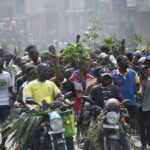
[[21, 97], [127, 81], [81, 78], [111, 58], [144, 107], [34, 56], [5, 88], [11, 67], [97, 80], [104, 91], [42, 90]]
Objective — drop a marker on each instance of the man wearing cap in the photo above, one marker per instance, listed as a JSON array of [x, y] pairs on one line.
[[102, 92]]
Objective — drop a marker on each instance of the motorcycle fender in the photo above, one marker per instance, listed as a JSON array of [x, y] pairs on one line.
[[58, 132], [113, 137]]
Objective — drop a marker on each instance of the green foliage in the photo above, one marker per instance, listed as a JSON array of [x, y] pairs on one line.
[[16, 52], [112, 44], [92, 34], [21, 130], [137, 39], [76, 54], [93, 135], [147, 43]]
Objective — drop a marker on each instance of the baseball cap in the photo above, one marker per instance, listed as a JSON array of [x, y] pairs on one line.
[[104, 72], [102, 55], [137, 53]]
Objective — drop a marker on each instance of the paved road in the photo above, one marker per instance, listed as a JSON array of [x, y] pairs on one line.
[[135, 140]]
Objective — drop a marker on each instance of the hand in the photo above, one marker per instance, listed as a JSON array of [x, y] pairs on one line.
[[67, 101], [139, 95]]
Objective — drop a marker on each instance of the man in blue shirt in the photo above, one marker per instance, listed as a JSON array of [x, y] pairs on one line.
[[127, 81]]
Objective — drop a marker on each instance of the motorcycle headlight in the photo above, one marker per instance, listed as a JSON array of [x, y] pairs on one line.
[[112, 117], [87, 104], [56, 124]]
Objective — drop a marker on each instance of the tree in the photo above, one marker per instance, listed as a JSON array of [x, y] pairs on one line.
[[112, 44], [137, 39], [91, 37], [76, 55]]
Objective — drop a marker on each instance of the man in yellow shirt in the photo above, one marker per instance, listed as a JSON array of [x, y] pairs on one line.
[[42, 90]]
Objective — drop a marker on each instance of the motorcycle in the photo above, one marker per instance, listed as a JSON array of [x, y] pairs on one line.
[[56, 122], [112, 125], [86, 118]]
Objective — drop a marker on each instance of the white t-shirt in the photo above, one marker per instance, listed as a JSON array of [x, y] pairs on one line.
[[113, 60], [5, 83]]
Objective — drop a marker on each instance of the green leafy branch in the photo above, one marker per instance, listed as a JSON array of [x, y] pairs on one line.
[[112, 44], [75, 54]]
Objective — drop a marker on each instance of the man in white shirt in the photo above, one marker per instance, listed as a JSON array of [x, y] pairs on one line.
[[5, 88]]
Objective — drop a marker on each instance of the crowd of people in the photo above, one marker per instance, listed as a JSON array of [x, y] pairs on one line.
[[44, 77]]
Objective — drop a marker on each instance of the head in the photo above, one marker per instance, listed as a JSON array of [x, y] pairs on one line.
[[17, 61], [52, 49], [29, 48], [32, 75], [103, 58], [136, 56], [105, 76], [28, 68], [97, 74], [129, 55], [143, 71], [85, 68], [8, 57], [105, 49], [34, 55], [43, 72], [122, 62], [1, 64], [69, 72]]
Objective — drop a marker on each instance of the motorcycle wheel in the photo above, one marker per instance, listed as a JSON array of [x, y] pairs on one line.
[[61, 147], [112, 145]]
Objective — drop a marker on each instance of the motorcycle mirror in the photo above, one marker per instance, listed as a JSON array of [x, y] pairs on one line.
[[88, 99], [31, 102], [68, 95]]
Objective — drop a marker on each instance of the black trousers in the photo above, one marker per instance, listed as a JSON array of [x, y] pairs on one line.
[[4, 112], [69, 143], [132, 109], [144, 125]]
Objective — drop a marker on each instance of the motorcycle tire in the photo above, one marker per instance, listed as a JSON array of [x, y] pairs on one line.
[[112, 145], [61, 147]]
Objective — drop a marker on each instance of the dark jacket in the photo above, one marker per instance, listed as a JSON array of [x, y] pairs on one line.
[[99, 94]]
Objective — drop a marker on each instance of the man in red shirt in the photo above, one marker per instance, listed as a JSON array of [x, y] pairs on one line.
[[81, 78]]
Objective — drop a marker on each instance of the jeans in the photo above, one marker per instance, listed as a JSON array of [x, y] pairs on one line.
[[144, 125]]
